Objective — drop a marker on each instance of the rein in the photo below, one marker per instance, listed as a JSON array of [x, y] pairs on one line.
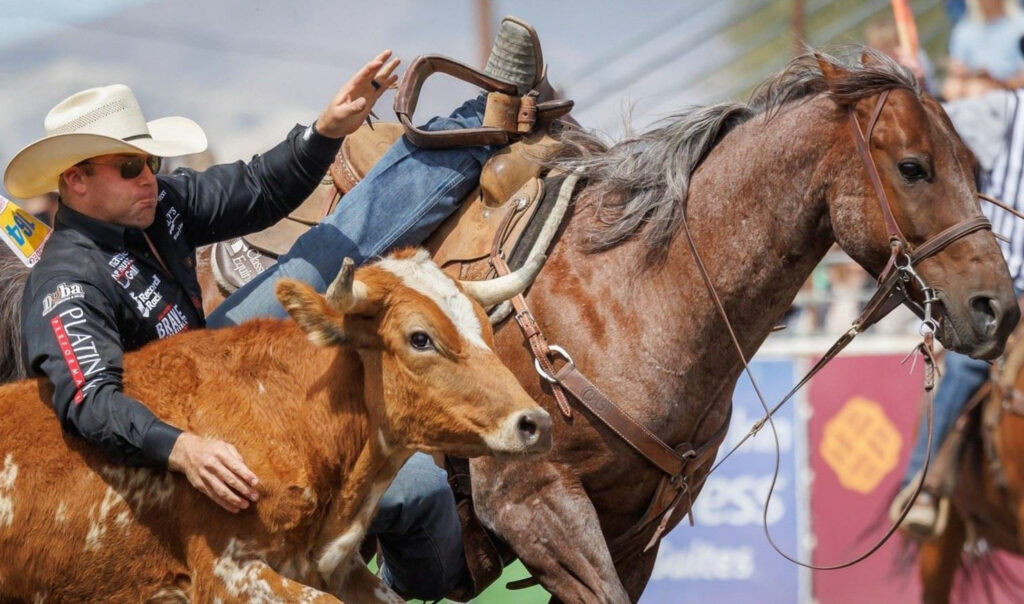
[[674, 494]]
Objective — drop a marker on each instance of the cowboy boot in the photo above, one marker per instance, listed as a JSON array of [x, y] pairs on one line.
[[516, 57], [927, 516]]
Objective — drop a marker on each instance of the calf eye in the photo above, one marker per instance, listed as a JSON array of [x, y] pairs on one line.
[[912, 171], [421, 341]]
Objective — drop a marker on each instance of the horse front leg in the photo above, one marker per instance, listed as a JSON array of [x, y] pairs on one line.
[[540, 508], [939, 560]]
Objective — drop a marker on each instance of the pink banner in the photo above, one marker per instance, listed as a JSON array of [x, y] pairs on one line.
[[863, 416]]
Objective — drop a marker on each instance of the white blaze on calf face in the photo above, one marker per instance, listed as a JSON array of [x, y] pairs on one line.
[[7, 476], [420, 274]]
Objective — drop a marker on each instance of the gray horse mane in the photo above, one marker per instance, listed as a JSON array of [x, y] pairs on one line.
[[13, 274], [640, 184]]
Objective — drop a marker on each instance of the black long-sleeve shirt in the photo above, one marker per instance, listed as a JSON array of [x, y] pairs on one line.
[[99, 289]]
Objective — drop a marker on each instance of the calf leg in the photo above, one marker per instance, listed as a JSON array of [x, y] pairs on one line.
[[551, 524], [359, 585], [939, 560], [239, 577]]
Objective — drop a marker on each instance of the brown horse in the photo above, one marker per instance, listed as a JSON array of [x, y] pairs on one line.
[[989, 491], [13, 274], [766, 188]]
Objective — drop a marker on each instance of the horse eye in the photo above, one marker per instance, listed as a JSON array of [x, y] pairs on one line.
[[912, 171], [421, 341]]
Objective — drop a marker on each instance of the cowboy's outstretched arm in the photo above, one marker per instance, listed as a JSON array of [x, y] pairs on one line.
[[350, 107]]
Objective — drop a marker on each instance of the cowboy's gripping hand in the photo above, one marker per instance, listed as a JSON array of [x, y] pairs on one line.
[[216, 469], [350, 107]]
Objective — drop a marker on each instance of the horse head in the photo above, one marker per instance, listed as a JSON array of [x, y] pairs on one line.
[[922, 209]]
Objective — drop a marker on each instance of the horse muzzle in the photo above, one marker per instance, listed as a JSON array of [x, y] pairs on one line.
[[981, 327]]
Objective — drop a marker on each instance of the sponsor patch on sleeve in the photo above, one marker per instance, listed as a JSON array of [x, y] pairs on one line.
[[63, 293]]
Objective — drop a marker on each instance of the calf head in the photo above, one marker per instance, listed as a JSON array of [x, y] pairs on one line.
[[433, 380]]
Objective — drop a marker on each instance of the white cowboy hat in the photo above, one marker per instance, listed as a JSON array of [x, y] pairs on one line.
[[96, 122]]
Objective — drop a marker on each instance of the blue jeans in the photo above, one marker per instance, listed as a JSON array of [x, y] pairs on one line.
[[406, 195], [400, 202], [961, 380]]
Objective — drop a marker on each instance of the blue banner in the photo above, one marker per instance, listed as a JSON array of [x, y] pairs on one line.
[[726, 556]]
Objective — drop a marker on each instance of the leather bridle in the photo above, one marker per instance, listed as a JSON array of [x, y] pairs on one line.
[[892, 291], [673, 496]]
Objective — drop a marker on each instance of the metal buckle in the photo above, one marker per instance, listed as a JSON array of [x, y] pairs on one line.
[[560, 352]]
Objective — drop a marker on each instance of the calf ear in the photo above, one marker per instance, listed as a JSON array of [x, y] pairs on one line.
[[323, 325]]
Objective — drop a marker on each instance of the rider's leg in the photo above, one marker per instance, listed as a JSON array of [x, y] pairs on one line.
[[419, 533], [927, 515], [963, 376], [406, 195]]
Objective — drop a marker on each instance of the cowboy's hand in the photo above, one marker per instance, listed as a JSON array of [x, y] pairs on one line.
[[216, 469], [350, 107]]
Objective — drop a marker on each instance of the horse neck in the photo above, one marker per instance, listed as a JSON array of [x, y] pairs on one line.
[[758, 213], [757, 209]]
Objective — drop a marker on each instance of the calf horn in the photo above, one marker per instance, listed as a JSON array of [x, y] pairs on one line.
[[345, 294], [493, 291]]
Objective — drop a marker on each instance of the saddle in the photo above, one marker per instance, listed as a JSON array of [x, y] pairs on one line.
[[494, 216]]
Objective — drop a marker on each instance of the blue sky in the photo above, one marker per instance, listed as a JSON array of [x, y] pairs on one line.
[[26, 19]]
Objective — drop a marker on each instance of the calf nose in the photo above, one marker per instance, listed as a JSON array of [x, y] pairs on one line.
[[534, 430]]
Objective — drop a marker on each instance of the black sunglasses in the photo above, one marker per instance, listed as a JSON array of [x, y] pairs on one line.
[[132, 166]]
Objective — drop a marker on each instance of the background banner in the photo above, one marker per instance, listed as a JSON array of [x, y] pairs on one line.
[[726, 556]]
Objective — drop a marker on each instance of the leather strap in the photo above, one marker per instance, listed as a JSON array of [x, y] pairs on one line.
[[527, 114], [869, 164], [535, 338], [948, 236], [633, 432]]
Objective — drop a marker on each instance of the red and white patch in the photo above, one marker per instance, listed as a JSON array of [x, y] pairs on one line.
[[419, 273]]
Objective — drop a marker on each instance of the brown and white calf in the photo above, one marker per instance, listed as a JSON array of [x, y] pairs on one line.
[[402, 361]]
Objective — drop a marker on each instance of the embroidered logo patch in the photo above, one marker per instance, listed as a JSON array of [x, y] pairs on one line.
[[174, 223], [63, 293], [125, 269]]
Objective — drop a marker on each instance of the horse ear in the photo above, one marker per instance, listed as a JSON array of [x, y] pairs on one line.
[[869, 58], [832, 70]]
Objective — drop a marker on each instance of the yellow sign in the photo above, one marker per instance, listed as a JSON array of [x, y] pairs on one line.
[[861, 444], [22, 232]]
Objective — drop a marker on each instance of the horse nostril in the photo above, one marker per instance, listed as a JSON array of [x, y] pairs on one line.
[[985, 312]]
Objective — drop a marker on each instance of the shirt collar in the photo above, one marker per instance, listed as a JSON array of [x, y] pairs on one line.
[[104, 233]]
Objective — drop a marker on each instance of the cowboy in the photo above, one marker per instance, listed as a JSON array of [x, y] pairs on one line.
[[118, 271]]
